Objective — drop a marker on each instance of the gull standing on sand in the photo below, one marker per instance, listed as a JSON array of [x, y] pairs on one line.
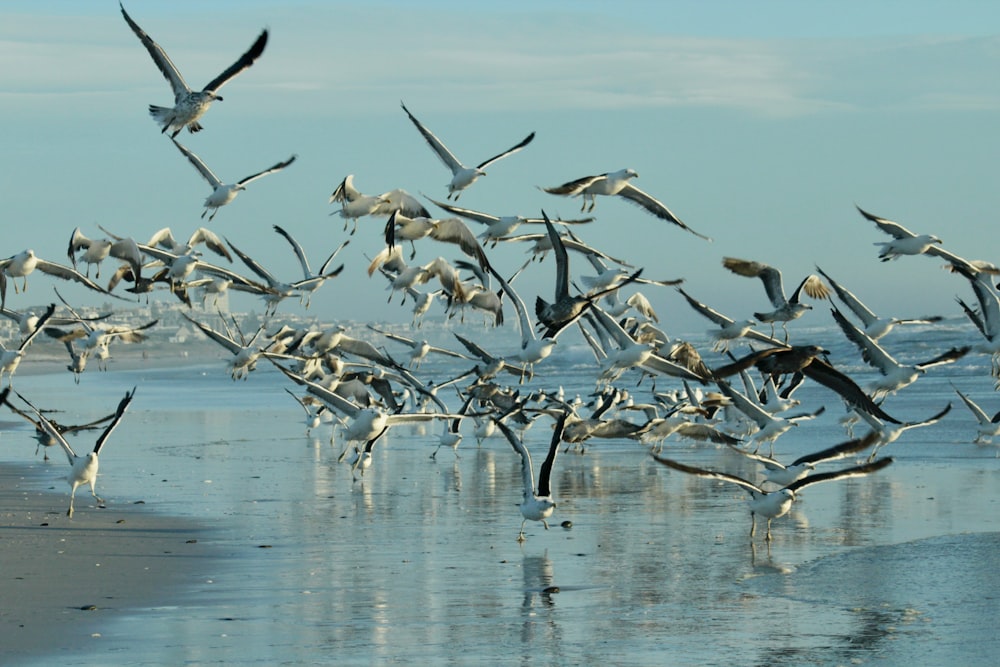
[[773, 504], [189, 105], [617, 183], [462, 176], [223, 193], [84, 468]]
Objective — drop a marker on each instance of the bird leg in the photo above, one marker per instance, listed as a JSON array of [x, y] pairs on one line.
[[753, 525], [520, 535], [768, 536]]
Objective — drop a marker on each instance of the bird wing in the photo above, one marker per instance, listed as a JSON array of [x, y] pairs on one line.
[[211, 241], [119, 413], [202, 168], [706, 311], [270, 170], [513, 149], [854, 303], [160, 58], [335, 401], [219, 337], [574, 187], [50, 429], [253, 265], [297, 249], [68, 273], [527, 475], [711, 474], [980, 414], [545, 474], [873, 353], [439, 148], [562, 261], [654, 206], [891, 228], [770, 276], [453, 230], [476, 216], [951, 356], [839, 451], [856, 471], [244, 62]]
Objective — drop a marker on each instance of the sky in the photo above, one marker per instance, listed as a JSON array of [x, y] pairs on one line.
[[760, 124]]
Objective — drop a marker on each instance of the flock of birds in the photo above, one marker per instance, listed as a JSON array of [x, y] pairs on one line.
[[739, 396]]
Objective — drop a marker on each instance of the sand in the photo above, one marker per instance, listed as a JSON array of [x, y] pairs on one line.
[[60, 583]]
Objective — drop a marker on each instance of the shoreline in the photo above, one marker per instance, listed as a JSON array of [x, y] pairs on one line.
[[61, 583]]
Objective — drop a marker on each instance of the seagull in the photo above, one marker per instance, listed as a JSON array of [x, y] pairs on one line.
[[354, 204], [313, 417], [25, 262], [617, 183], [462, 176], [96, 251], [770, 427], [245, 352], [773, 504], [11, 359], [729, 329], [164, 238], [498, 227], [84, 468], [989, 427], [785, 309], [44, 439], [888, 434], [894, 375], [311, 281], [223, 193], [419, 349], [565, 308], [189, 105], [905, 242], [874, 326], [536, 503]]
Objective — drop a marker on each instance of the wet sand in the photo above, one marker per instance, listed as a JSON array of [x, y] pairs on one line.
[[61, 583]]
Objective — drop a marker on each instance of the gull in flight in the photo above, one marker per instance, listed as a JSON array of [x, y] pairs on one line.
[[354, 204], [617, 183], [223, 193], [96, 251], [782, 475], [11, 359], [462, 176], [84, 468], [874, 326], [773, 504], [189, 105], [311, 281], [499, 227], [905, 242], [25, 262], [536, 502], [785, 309], [989, 427], [894, 375]]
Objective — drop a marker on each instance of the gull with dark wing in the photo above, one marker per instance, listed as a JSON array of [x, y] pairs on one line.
[[773, 504], [894, 375], [807, 359], [566, 308], [785, 309], [25, 262], [42, 438], [536, 501], [617, 183], [462, 176], [223, 193], [782, 475], [84, 468], [874, 326], [890, 433], [189, 105]]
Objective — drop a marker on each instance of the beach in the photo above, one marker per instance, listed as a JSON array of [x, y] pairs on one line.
[[64, 579]]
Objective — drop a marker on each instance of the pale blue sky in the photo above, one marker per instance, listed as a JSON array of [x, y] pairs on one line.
[[760, 124]]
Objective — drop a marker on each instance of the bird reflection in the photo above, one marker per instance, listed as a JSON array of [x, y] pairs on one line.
[[537, 622]]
